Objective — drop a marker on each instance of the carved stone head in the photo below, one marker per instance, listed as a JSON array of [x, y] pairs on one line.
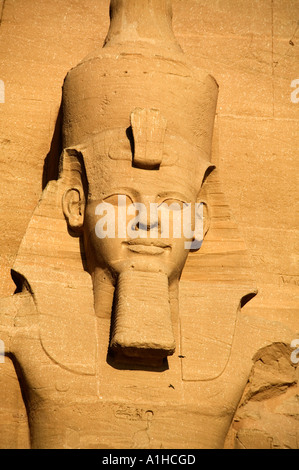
[[138, 123]]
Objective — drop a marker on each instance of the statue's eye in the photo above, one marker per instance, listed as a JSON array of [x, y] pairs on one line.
[[118, 200]]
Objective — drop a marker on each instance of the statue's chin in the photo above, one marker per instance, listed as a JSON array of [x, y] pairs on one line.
[[148, 259]]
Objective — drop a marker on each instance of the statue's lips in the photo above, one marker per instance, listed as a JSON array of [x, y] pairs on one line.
[[147, 246]]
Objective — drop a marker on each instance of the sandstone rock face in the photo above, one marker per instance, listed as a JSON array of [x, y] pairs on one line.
[[107, 344]]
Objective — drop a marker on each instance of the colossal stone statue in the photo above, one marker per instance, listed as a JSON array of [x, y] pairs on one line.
[[118, 329]]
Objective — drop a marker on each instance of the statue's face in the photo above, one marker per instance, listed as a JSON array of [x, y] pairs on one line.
[[153, 196], [137, 218], [142, 246]]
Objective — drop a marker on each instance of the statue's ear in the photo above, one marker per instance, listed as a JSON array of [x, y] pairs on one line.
[[72, 171], [202, 213], [73, 205], [202, 224], [205, 213]]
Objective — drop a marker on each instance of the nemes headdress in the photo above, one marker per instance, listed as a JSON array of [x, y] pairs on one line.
[[142, 84]]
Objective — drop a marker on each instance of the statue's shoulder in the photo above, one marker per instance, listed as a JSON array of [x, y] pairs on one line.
[[10, 392], [14, 310], [267, 416]]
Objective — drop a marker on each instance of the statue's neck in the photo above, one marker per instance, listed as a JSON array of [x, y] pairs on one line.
[[103, 291]]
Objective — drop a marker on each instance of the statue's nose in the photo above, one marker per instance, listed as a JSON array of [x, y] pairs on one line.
[[148, 217]]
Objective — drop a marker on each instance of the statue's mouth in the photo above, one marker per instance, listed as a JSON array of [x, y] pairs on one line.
[[147, 246]]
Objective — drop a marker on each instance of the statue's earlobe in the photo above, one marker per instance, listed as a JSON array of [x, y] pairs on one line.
[[73, 205]]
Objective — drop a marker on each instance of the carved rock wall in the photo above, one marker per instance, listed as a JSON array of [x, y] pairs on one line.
[[250, 47]]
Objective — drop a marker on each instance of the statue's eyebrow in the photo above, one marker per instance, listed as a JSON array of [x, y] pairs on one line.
[[174, 195], [131, 192]]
